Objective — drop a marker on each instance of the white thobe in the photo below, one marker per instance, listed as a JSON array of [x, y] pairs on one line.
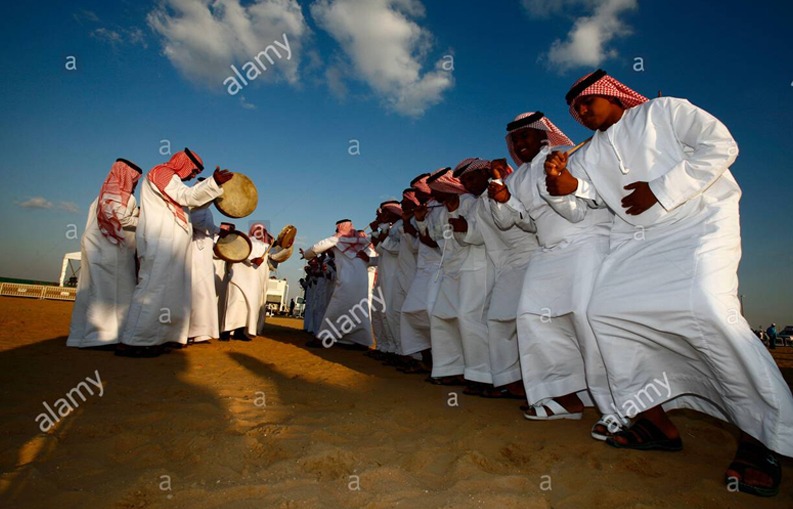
[[414, 321], [244, 301], [346, 317], [204, 309], [106, 283], [458, 321], [406, 247], [160, 309], [558, 351], [387, 266], [665, 303], [509, 252]]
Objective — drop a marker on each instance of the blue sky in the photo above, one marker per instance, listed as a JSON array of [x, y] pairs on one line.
[[375, 71]]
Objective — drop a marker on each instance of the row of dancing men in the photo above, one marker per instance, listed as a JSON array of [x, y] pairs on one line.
[[604, 274], [149, 279]]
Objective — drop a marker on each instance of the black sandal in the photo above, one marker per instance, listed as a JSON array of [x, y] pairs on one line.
[[756, 457], [643, 435]]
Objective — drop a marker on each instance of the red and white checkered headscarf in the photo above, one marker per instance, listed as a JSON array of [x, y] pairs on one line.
[[420, 183], [181, 164], [600, 83], [410, 195], [535, 120], [344, 228], [114, 198], [351, 241], [444, 182], [475, 165], [392, 206]]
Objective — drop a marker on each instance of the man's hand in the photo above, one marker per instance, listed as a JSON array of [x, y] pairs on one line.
[[561, 185], [496, 190], [555, 163], [363, 256], [559, 181], [421, 212], [641, 199], [225, 229], [459, 224], [221, 176]]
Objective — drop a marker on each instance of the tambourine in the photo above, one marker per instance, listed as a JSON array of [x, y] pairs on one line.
[[286, 238], [233, 247], [239, 198]]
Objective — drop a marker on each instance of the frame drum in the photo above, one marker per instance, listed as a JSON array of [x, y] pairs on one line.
[[239, 198], [280, 255], [287, 237], [233, 247]]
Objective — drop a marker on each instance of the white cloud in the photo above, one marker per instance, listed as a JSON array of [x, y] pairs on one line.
[[36, 202], [103, 34], [386, 49], [587, 42], [334, 76], [85, 15], [203, 38], [39, 202], [245, 104], [68, 206], [119, 36]]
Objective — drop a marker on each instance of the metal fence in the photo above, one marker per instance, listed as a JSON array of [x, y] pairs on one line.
[[37, 291]]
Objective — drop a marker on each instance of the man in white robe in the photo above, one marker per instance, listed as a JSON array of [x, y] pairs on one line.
[[508, 251], [406, 240], [204, 305], [107, 261], [414, 319], [346, 320], [160, 309], [560, 359], [458, 319], [664, 308], [259, 232], [386, 241], [245, 292]]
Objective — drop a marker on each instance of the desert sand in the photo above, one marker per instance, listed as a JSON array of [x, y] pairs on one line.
[[271, 424]]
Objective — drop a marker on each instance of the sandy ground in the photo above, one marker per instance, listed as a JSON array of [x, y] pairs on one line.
[[272, 424]]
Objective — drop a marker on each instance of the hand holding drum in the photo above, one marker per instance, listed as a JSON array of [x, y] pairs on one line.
[[239, 198], [221, 176]]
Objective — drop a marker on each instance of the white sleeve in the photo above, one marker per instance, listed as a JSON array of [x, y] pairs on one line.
[[200, 194], [391, 243], [574, 206], [320, 247], [129, 220], [713, 151]]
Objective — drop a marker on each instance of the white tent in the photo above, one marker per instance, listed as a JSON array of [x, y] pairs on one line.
[[68, 269]]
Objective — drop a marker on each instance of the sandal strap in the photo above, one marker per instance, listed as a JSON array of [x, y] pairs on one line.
[[551, 404]]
